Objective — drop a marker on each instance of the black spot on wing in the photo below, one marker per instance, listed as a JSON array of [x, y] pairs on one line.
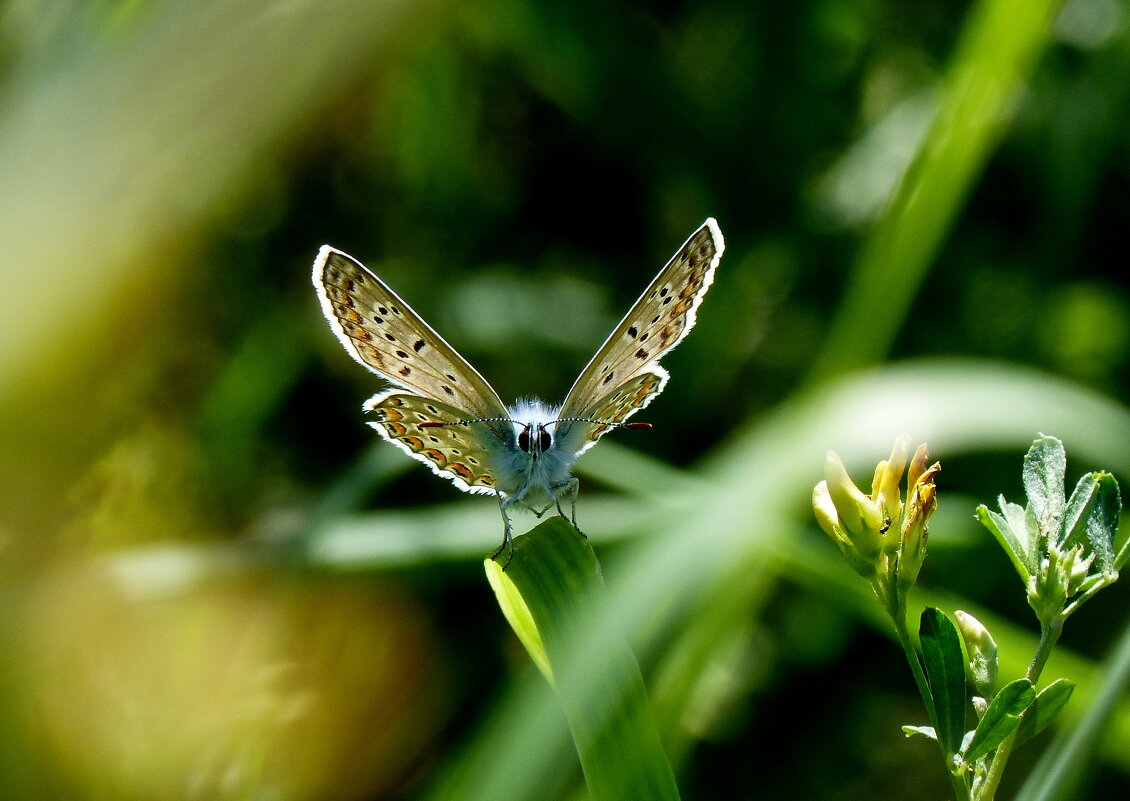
[[419, 346]]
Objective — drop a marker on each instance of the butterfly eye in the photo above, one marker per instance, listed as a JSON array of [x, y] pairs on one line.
[[524, 440], [544, 440]]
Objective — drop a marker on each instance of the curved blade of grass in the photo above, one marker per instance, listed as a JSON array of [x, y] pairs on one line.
[[550, 588]]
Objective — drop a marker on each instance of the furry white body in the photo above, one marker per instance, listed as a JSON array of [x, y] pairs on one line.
[[535, 478]]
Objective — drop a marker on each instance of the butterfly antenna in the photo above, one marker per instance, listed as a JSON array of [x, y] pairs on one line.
[[599, 422], [437, 424]]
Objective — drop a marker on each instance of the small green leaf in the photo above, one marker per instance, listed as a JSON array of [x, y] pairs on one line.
[[1000, 719], [1023, 525], [1080, 502], [920, 731], [1092, 518], [1044, 467], [945, 674], [1049, 701], [1014, 542], [1102, 522]]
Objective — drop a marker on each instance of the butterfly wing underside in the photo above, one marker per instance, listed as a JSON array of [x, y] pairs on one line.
[[431, 381], [386, 336], [462, 453], [625, 374]]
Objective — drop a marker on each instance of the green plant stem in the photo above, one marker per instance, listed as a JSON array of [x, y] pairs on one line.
[[1049, 636]]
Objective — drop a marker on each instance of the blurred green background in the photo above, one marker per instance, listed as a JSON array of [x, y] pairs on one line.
[[216, 581]]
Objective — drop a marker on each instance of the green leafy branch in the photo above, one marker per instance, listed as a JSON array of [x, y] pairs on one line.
[[1064, 552]]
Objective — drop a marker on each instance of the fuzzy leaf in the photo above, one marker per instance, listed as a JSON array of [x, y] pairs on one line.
[[1015, 543], [1102, 522], [945, 675], [1000, 719], [1092, 518], [1078, 506], [1044, 467]]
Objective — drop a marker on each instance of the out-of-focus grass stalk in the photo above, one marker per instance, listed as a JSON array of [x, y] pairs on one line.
[[998, 50]]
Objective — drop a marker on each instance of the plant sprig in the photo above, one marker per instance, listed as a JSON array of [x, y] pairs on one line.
[[1064, 551]]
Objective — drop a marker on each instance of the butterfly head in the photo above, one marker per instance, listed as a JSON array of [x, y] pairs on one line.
[[534, 425], [534, 439]]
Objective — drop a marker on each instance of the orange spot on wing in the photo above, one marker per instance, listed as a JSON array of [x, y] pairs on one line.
[[461, 470]]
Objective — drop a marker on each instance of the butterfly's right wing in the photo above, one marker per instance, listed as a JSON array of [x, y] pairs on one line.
[[655, 324], [468, 454], [576, 436], [625, 373], [381, 331]]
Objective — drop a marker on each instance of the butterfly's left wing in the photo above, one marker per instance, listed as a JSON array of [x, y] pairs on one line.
[[432, 383], [386, 336], [625, 373]]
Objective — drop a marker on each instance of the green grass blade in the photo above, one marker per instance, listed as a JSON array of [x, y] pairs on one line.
[[550, 588]]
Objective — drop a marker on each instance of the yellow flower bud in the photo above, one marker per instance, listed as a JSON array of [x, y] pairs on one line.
[[828, 517], [921, 503], [880, 533]]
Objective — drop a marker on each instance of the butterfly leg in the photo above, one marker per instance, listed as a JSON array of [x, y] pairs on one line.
[[507, 535], [570, 487]]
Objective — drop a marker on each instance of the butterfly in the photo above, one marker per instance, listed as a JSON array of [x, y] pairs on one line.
[[440, 411]]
